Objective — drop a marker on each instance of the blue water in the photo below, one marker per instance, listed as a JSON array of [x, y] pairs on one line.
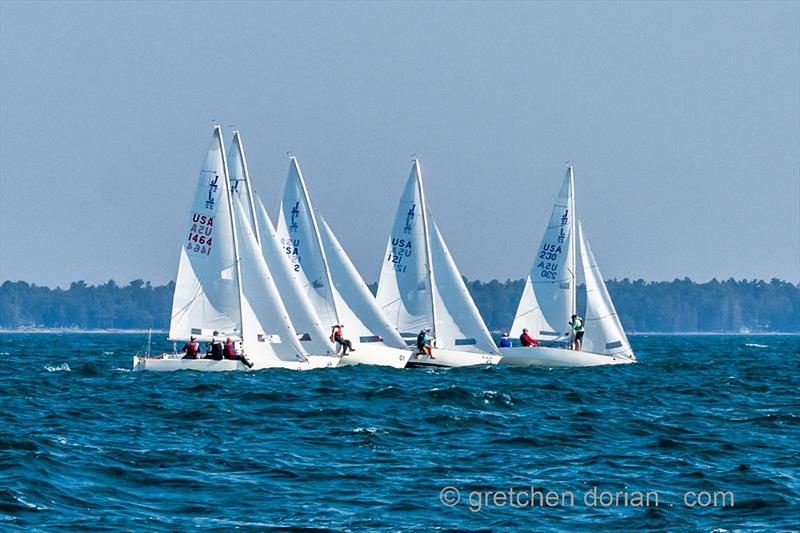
[[86, 444]]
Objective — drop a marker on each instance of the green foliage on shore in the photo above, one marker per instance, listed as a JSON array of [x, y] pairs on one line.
[[679, 305]]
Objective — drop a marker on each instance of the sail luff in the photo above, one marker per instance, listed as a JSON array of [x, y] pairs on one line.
[[428, 255]]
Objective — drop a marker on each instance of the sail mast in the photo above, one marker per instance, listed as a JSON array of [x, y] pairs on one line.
[[428, 256], [573, 242], [229, 199], [251, 207], [313, 217]]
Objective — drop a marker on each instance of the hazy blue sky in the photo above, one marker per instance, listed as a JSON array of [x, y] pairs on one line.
[[682, 120]]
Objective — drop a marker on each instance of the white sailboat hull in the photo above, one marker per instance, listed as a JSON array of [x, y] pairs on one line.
[[452, 359], [547, 356], [377, 355], [172, 363]]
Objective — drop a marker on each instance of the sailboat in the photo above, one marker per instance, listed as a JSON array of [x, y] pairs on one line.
[[549, 298], [331, 283], [420, 288], [224, 287]]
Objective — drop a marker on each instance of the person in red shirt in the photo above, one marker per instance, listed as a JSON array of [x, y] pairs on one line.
[[229, 352], [526, 340], [191, 348]]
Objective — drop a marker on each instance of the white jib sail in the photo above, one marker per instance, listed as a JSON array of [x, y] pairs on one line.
[[459, 325], [548, 299], [313, 336], [364, 322], [603, 330], [299, 236], [206, 296], [267, 332], [404, 285]]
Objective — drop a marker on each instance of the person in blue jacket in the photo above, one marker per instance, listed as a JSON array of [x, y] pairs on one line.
[[505, 342]]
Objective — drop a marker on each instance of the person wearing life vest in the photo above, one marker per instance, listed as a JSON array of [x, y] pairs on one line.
[[526, 340], [215, 350], [191, 348], [505, 342], [337, 336], [229, 352], [576, 326], [424, 344]]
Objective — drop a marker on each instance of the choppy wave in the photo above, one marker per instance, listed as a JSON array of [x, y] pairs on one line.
[[97, 446], [63, 367]]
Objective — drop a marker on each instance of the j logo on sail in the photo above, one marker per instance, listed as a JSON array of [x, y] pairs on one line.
[[409, 219]]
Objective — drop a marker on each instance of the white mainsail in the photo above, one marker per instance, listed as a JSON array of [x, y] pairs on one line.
[[404, 288], [318, 259], [298, 234], [420, 286], [206, 295], [548, 299], [604, 333], [313, 336]]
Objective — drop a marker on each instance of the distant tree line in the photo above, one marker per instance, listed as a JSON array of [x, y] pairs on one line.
[[134, 306], [679, 305]]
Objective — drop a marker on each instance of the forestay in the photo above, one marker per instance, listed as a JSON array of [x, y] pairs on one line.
[[206, 296], [604, 333], [312, 334], [548, 299]]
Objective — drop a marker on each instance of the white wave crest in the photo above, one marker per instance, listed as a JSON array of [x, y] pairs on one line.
[[63, 367], [754, 345]]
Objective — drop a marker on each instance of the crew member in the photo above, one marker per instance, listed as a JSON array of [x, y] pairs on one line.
[[215, 350], [526, 340], [229, 352], [576, 326], [191, 348], [337, 336], [505, 342], [424, 344]]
